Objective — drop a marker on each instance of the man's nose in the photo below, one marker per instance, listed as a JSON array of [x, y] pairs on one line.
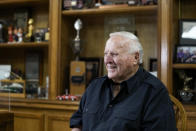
[[108, 58]]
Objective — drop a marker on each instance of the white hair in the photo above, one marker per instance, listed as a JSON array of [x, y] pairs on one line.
[[134, 44]]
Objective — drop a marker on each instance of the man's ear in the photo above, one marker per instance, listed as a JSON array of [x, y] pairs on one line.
[[136, 58]]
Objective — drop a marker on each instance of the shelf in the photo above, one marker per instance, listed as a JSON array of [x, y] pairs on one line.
[[184, 66], [24, 45], [151, 9], [17, 3]]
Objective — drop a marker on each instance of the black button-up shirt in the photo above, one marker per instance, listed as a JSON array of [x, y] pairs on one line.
[[142, 104]]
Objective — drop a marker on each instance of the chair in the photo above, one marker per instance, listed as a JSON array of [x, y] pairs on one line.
[[180, 113]]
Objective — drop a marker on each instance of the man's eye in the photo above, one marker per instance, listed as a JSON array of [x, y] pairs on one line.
[[114, 54]]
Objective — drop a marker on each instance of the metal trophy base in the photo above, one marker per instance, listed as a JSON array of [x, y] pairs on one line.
[[77, 77]]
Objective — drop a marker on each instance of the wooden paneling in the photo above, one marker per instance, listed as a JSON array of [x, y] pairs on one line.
[[165, 39], [44, 115], [28, 121], [6, 121], [57, 123], [54, 49]]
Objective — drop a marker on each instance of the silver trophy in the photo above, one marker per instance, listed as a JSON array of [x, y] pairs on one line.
[[76, 42]]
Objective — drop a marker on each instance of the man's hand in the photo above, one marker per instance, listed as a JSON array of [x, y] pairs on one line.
[[76, 129]]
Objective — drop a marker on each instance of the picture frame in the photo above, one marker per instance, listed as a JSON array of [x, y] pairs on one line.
[[94, 68], [185, 54], [153, 64], [187, 31]]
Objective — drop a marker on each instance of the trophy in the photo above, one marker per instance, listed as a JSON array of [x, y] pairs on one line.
[[77, 43], [77, 68], [186, 93]]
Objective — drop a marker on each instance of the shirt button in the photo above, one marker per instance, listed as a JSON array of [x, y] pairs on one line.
[[110, 106]]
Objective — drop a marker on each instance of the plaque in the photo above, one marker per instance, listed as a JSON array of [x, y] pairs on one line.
[[77, 68]]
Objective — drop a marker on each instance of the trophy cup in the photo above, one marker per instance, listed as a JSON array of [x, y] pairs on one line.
[[77, 68], [186, 93]]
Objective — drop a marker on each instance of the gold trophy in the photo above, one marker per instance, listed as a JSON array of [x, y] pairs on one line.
[[77, 68], [186, 93]]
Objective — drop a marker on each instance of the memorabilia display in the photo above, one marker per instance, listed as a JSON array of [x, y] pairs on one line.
[[185, 54], [20, 35], [186, 93], [10, 34], [153, 64], [29, 35], [47, 35], [76, 45], [5, 71], [72, 4], [15, 35], [77, 68], [187, 31], [94, 68], [13, 87]]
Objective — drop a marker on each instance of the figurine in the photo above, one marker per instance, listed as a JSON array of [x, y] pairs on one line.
[[15, 35], [47, 35], [37, 35], [29, 35], [10, 34], [20, 35]]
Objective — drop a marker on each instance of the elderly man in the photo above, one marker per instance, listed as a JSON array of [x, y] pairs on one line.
[[128, 98]]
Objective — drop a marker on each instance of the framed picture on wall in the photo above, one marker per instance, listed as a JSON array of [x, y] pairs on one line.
[[94, 68], [187, 34], [185, 54], [153, 64]]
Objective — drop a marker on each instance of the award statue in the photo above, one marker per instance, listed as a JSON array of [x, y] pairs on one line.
[[186, 93], [77, 68]]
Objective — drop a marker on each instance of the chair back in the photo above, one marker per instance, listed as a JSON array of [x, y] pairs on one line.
[[180, 114]]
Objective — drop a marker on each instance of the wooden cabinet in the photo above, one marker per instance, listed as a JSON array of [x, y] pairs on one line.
[[181, 9], [14, 54], [39, 115], [6, 121], [156, 26]]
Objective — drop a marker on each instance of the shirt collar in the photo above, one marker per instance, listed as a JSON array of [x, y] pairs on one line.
[[132, 82]]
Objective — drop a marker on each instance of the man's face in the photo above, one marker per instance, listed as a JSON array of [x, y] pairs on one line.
[[118, 61]]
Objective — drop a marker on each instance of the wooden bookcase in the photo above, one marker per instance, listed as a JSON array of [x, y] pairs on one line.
[[14, 53], [181, 9], [157, 29]]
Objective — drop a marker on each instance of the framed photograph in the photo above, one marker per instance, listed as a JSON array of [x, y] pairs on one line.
[[153, 64], [185, 54], [187, 31], [94, 68]]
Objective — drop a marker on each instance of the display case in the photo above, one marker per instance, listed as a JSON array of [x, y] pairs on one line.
[[183, 48], [14, 86], [30, 50]]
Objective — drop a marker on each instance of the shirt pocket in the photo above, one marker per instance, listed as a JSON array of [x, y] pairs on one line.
[[90, 117], [126, 120]]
